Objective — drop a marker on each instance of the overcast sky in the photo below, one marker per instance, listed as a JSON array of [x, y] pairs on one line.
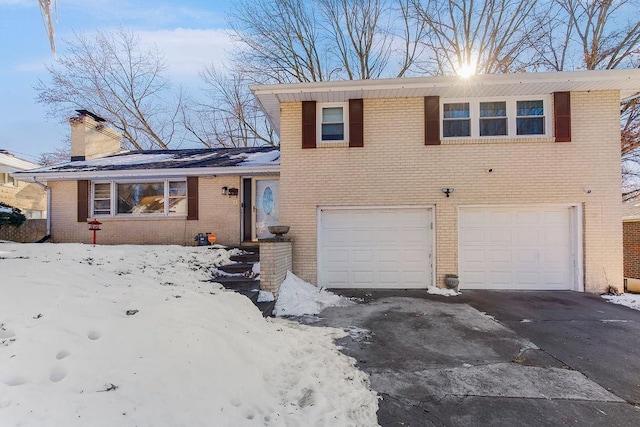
[[191, 33]]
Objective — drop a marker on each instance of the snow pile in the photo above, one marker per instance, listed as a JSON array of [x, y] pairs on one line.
[[629, 300], [134, 335], [297, 298], [220, 255], [433, 290]]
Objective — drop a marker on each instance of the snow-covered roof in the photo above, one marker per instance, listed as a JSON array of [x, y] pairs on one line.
[[11, 163], [155, 163], [627, 81], [631, 210]]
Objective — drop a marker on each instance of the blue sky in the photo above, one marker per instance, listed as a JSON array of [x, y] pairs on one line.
[[191, 33]]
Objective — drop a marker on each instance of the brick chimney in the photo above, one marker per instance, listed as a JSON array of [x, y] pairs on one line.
[[91, 138]]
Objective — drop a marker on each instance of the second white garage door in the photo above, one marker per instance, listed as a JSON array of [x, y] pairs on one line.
[[375, 248], [530, 248]]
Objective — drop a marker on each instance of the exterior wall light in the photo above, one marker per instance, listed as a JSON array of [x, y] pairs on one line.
[[447, 191], [225, 191]]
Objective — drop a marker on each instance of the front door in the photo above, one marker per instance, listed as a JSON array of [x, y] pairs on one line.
[[265, 206]]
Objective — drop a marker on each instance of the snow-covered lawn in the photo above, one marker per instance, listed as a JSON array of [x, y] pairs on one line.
[[136, 336], [629, 300]]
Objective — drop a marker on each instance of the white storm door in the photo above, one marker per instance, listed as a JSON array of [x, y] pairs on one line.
[[381, 248], [266, 192], [525, 248]]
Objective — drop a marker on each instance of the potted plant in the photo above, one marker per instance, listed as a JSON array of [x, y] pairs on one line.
[[451, 281]]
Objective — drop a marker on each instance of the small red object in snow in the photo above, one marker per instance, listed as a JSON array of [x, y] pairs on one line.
[[94, 225]]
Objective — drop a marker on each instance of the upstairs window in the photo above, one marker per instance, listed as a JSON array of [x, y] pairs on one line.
[[530, 117], [457, 120], [493, 118], [496, 118], [333, 122]]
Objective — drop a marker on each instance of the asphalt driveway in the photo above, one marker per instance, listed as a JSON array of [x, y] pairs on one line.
[[495, 357]]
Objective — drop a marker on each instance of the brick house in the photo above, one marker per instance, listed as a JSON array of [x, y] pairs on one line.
[[158, 196], [30, 198], [509, 181], [631, 238]]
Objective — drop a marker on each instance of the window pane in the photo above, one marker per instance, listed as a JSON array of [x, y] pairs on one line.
[[493, 127], [530, 108], [333, 132], [178, 197], [141, 198], [456, 128], [177, 188], [530, 126], [102, 191], [493, 109], [458, 110], [332, 115], [102, 207]]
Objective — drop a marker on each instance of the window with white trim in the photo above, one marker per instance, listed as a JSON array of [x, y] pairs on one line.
[[456, 120], [530, 117], [496, 118], [161, 198], [333, 122], [7, 179]]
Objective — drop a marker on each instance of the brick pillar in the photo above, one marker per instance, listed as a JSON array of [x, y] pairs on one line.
[[276, 258]]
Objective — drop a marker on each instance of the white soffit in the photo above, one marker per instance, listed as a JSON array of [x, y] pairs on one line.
[[627, 81]]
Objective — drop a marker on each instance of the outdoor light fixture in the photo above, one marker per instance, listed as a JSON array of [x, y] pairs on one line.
[[225, 190], [447, 191]]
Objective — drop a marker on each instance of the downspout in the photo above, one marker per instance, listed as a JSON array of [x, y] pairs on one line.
[[48, 190]]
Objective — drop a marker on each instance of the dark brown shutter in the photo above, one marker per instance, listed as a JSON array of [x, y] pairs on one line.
[[562, 116], [192, 198], [356, 124], [83, 201], [308, 124], [431, 120]]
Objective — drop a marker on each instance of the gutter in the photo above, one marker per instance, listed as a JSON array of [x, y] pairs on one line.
[[149, 173], [48, 190]]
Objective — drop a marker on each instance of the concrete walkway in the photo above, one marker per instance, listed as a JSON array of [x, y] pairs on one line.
[[495, 358]]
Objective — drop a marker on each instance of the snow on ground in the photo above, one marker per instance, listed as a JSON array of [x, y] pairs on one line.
[[297, 298], [135, 335], [630, 300], [433, 290]]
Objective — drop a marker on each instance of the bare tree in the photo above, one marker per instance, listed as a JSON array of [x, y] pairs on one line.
[[319, 40], [231, 118], [47, 18], [600, 34], [605, 32], [492, 36], [109, 75], [60, 154]]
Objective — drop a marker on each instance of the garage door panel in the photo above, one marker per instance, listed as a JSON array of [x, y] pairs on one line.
[[386, 247], [473, 235], [527, 237], [515, 248], [500, 236]]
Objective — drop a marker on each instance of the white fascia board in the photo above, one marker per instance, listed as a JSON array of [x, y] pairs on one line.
[[149, 173], [592, 76]]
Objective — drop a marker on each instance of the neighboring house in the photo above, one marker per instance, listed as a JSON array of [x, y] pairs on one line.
[[631, 238], [158, 196], [510, 181], [30, 198]]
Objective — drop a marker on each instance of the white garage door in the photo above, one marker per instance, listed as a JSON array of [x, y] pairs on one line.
[[516, 248], [375, 248]]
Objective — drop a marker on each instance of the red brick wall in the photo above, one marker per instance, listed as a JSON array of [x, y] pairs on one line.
[[631, 239]]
